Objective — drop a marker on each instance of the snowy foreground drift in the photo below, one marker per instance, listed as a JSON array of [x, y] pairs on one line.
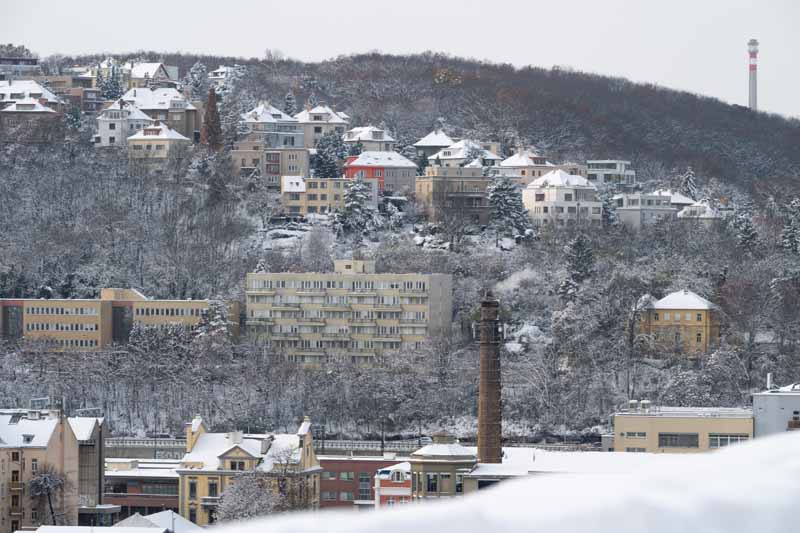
[[750, 488]]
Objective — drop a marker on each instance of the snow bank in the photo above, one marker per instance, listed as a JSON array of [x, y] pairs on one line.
[[747, 488]]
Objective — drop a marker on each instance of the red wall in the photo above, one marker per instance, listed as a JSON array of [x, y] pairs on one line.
[[349, 464]]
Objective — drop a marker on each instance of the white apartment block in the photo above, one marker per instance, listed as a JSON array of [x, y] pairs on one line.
[[350, 313], [119, 121], [638, 209], [611, 172], [561, 199]]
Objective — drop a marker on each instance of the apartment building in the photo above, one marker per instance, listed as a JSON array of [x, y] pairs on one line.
[[142, 486], [646, 429], [682, 321], [319, 196], [119, 121], [615, 173], [87, 325], [272, 128], [636, 210], [432, 143], [29, 121], [776, 410], [213, 460], [370, 138], [319, 120], [460, 192], [12, 91], [395, 173], [348, 482], [168, 106], [466, 151], [393, 485], [561, 199], [19, 67], [351, 312], [154, 144]]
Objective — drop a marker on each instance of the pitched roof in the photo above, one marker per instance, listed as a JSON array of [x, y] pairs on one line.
[[675, 197], [27, 105], [157, 98], [172, 521], [559, 178], [134, 113], [365, 133], [17, 431], [452, 450], [135, 520], [436, 138], [330, 116], [381, 159], [210, 447], [461, 149], [525, 158], [264, 112], [684, 299], [83, 426], [26, 87], [700, 210], [164, 132], [147, 70]]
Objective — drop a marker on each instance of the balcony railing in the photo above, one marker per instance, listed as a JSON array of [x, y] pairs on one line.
[[16, 485], [209, 501]]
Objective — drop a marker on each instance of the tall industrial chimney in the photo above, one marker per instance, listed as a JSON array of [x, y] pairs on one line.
[[752, 48], [489, 415]]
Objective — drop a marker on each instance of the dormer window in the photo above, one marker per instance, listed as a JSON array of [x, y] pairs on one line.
[[317, 117], [27, 439]]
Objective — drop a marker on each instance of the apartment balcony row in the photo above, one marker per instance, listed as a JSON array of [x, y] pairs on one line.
[[16, 486], [335, 307], [270, 291]]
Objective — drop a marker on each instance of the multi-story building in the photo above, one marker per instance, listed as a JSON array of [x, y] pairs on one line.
[[393, 485], [701, 212], [319, 196], [86, 325], [319, 120], [351, 312], [144, 75], [142, 486], [28, 121], [638, 209], [272, 128], [615, 173], [395, 173], [154, 144], [169, 106], [466, 151], [454, 192], [561, 199], [438, 469], [213, 460], [525, 166], [682, 321], [432, 143], [370, 138], [12, 91], [349, 481], [646, 429], [776, 410], [218, 76], [675, 199], [119, 121], [251, 156], [19, 67], [69, 89]]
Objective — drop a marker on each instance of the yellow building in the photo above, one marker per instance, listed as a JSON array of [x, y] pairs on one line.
[[454, 192], [351, 312], [153, 145], [213, 460], [642, 428], [682, 321], [438, 470], [303, 196], [87, 325]]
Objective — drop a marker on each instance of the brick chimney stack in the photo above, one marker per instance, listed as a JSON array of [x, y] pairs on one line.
[[489, 388]]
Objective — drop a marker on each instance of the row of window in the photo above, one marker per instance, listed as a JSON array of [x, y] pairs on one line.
[[434, 483], [49, 326], [677, 317], [692, 440], [61, 311], [149, 147], [350, 285], [168, 311], [559, 209]]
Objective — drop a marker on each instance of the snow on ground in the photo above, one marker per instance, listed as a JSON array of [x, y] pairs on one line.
[[512, 282], [748, 488]]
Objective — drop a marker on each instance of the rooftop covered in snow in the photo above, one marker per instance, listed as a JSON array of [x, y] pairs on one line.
[[435, 139], [26, 105], [325, 114], [26, 429], [157, 131], [159, 98], [559, 178], [20, 89], [684, 299], [462, 149], [265, 112], [367, 133], [381, 159], [525, 158]]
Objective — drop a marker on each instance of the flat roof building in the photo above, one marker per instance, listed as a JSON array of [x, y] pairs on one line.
[[777, 410]]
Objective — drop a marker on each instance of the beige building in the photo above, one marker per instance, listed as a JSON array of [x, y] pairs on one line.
[[454, 192], [168, 106], [317, 121], [250, 155], [561, 199], [213, 460], [351, 312], [682, 321], [646, 429], [466, 151], [153, 145], [318, 196], [438, 470], [370, 138], [88, 325]]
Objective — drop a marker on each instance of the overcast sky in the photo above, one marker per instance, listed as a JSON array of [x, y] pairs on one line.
[[696, 45]]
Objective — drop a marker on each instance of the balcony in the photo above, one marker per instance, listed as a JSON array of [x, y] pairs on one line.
[[209, 501], [396, 308], [259, 321], [15, 509], [310, 322], [364, 321], [265, 292], [285, 336], [310, 292], [286, 307], [16, 485]]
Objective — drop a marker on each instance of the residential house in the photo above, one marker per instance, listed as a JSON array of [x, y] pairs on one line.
[[272, 127], [776, 410], [460, 192], [701, 212], [393, 485], [348, 481], [213, 460], [150, 75], [395, 173], [12, 91], [561, 199], [676, 199], [319, 120], [119, 121], [524, 166], [218, 76], [142, 486], [250, 156], [169, 106], [370, 138], [352, 313], [682, 321], [319, 196], [645, 429], [12, 67], [615, 173], [466, 151], [432, 143], [28, 121], [636, 210], [153, 145]]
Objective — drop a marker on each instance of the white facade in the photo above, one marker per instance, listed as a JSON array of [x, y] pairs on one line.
[[776, 411], [637, 209], [561, 199], [701, 211], [611, 172], [462, 153], [118, 122], [372, 139]]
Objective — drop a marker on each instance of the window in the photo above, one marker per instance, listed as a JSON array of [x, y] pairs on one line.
[[699, 317], [720, 440], [346, 476], [398, 477], [666, 316], [327, 476], [15, 457], [636, 434], [346, 496], [212, 488], [433, 483], [112, 126], [567, 197], [678, 440], [364, 486], [193, 515], [655, 317], [328, 495], [237, 465], [635, 450], [112, 140], [699, 338], [539, 197], [688, 317], [317, 129], [459, 483], [192, 489], [34, 465]]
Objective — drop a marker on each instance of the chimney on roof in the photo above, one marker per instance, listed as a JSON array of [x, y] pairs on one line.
[[769, 380], [490, 419], [235, 437], [266, 444], [308, 106]]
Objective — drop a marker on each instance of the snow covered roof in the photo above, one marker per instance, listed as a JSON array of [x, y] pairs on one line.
[[209, 448], [28, 88], [658, 493], [381, 159], [699, 210], [675, 197], [164, 520], [560, 178], [525, 158], [100, 529], [367, 133], [159, 130], [220, 72], [436, 138], [157, 98], [293, 184], [18, 431], [690, 412], [26, 105], [264, 112], [684, 299], [83, 426], [147, 70], [134, 113], [386, 471], [792, 389], [445, 451], [461, 149], [329, 115]]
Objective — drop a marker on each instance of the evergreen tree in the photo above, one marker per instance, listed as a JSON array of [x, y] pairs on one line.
[[72, 118], [609, 210], [355, 149], [100, 80], [357, 217], [507, 213], [580, 266], [110, 87], [330, 150], [312, 100], [290, 104], [197, 81], [790, 236], [745, 231], [688, 184], [211, 133]]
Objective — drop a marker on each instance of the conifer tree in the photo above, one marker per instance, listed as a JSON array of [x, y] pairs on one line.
[[197, 81], [790, 236], [507, 213], [580, 266], [330, 150], [688, 184], [211, 133], [745, 231]]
